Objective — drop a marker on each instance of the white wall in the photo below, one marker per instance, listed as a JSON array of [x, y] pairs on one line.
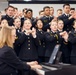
[[37, 7], [3, 5]]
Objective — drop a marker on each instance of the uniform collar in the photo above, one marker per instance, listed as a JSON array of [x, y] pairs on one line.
[[66, 14]]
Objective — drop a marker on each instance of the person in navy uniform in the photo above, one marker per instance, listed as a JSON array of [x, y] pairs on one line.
[[40, 35], [65, 56], [72, 39], [24, 16], [67, 18], [29, 15], [20, 38], [52, 38], [46, 19], [9, 62], [9, 15], [17, 25], [28, 51]]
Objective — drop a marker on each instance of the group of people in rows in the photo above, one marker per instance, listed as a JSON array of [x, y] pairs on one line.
[[32, 40]]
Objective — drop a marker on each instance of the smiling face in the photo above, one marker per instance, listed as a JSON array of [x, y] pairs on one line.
[[10, 11], [27, 24], [39, 24], [53, 26]]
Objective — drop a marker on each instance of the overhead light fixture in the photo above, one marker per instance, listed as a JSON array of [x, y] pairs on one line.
[[27, 0]]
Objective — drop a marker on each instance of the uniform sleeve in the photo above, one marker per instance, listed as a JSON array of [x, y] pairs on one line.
[[36, 40], [9, 57], [72, 38], [50, 38], [20, 38], [66, 21]]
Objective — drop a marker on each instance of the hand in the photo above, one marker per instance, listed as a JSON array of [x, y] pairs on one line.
[[34, 67], [74, 15], [48, 30], [62, 33], [20, 13], [16, 15], [55, 18], [28, 32], [65, 37], [32, 63], [71, 17], [33, 32]]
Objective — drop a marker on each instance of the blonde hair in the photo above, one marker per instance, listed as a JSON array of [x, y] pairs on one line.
[[5, 36], [53, 21]]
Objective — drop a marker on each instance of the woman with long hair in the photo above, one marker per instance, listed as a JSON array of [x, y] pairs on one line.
[[9, 62]]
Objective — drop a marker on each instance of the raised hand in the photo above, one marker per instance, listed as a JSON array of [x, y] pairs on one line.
[[74, 15], [28, 32], [33, 32], [65, 36]]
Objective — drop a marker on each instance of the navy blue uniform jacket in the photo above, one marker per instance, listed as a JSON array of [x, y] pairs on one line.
[[9, 62]]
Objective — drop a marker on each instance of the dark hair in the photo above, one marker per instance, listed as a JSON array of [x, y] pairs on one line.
[[29, 10], [66, 5], [45, 7], [72, 8], [5, 9], [10, 6], [38, 20], [52, 7], [16, 8], [24, 9]]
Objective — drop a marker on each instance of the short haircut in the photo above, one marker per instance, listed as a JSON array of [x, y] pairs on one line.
[[59, 10], [16, 8], [41, 11], [53, 21], [24, 9], [29, 10], [66, 5], [52, 7], [72, 8], [45, 7], [11, 7]]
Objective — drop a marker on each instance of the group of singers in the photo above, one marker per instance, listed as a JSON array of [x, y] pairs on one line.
[[26, 41]]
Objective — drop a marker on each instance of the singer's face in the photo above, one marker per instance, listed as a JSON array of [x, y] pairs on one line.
[[27, 24]]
